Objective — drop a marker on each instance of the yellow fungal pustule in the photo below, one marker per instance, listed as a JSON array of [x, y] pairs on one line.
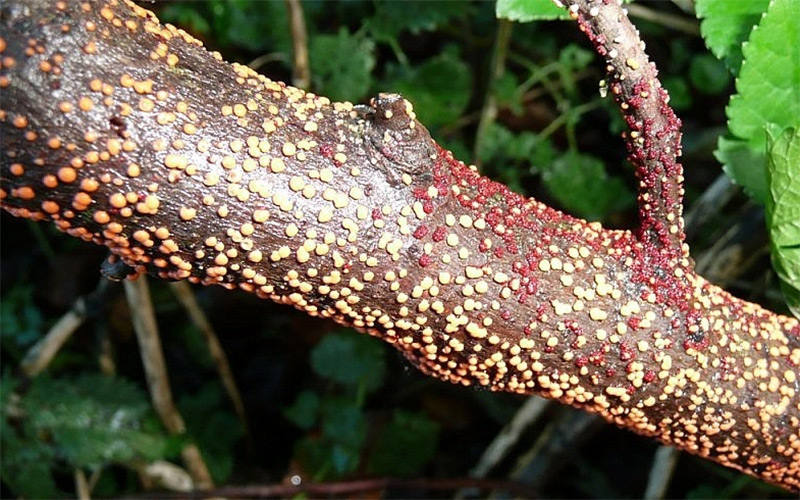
[[188, 167]]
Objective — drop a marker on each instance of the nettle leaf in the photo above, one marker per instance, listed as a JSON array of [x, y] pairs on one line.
[[439, 88], [341, 65], [783, 211], [93, 420], [404, 445], [581, 184], [726, 24], [525, 11], [768, 89], [350, 358]]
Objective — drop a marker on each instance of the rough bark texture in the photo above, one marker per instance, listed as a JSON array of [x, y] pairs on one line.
[[127, 133]]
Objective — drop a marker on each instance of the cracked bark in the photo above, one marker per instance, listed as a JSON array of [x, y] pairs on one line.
[[127, 133]]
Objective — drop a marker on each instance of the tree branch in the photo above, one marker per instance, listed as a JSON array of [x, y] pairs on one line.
[[128, 134]]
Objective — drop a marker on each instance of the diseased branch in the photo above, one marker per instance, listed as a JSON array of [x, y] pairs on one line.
[[127, 133], [654, 136]]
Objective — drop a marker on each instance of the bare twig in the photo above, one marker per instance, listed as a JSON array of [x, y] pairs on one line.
[[82, 490], [508, 437], [677, 23], [105, 358], [42, 353], [489, 110], [356, 488], [716, 196], [552, 447], [186, 297], [664, 462], [144, 323], [301, 72]]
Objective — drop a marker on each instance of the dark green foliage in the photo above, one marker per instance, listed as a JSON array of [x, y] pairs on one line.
[[86, 422], [350, 360], [580, 173], [404, 445], [338, 421], [440, 87], [22, 323]]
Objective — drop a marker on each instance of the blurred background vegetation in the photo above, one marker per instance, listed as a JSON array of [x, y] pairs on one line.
[[324, 404]]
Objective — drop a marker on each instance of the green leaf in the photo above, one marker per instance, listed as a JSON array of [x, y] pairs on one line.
[[768, 87], [502, 145], [744, 165], [22, 321], [439, 88], [341, 65], [350, 358], [343, 422], [582, 186], [93, 420], [404, 445], [26, 462], [708, 74], [726, 24], [525, 11], [303, 413], [186, 16], [783, 211]]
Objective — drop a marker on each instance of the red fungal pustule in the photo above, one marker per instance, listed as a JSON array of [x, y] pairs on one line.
[[187, 167]]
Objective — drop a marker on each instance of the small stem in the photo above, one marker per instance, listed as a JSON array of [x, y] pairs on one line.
[[489, 111], [43, 352], [677, 23], [664, 462], [526, 415], [301, 72], [186, 297], [82, 490], [144, 323]]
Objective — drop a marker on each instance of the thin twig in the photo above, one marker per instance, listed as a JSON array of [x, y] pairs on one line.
[[186, 297], [42, 353], [356, 488], [301, 72], [716, 196], [677, 23], [144, 323], [82, 491], [552, 447], [526, 415], [664, 462], [105, 358], [506, 439], [489, 110]]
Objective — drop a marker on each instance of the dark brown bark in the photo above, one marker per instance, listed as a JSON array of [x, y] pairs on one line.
[[129, 134]]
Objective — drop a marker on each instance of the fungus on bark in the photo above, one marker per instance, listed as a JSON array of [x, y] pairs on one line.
[[127, 133]]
